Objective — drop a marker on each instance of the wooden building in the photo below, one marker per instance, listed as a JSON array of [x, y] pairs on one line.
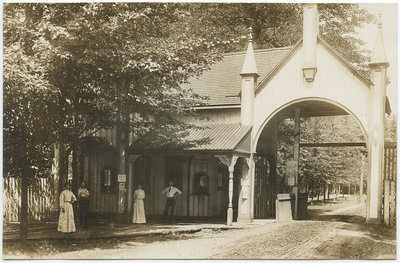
[[233, 173]]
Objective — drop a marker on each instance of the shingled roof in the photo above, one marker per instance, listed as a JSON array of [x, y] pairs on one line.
[[222, 84]]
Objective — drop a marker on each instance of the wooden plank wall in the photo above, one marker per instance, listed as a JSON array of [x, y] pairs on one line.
[[155, 202], [215, 116], [99, 202], [220, 200], [109, 134], [216, 202], [389, 184]]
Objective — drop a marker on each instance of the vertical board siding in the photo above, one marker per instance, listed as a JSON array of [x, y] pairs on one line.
[[99, 202], [200, 205], [40, 199], [155, 202], [389, 184]]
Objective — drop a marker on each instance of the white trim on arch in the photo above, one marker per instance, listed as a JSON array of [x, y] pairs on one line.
[[257, 133]]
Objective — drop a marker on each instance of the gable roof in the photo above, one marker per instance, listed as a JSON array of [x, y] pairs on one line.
[[329, 48], [222, 83]]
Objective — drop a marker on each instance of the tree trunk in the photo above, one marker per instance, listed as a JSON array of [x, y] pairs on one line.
[[55, 170], [312, 192], [319, 191], [23, 229], [343, 193], [328, 188], [75, 178], [335, 193], [349, 188], [324, 193], [62, 168]]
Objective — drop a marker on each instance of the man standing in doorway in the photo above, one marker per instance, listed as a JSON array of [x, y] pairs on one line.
[[171, 191]]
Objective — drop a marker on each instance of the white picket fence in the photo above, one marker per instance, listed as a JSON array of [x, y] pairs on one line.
[[41, 199]]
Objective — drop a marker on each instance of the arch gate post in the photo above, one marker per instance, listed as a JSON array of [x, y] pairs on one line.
[[378, 67]]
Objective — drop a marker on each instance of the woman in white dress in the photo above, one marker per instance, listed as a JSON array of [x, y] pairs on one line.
[[66, 223], [139, 216]]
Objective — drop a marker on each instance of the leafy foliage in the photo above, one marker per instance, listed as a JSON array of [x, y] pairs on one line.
[[280, 25], [391, 128], [323, 165], [26, 90], [72, 69]]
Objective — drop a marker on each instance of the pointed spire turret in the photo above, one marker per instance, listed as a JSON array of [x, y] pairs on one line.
[[379, 56], [249, 65], [249, 82]]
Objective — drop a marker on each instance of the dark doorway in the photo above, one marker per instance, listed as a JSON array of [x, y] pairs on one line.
[[174, 170], [264, 189]]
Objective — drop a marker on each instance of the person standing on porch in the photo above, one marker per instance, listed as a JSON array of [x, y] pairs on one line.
[[139, 216], [171, 191], [83, 196], [66, 223]]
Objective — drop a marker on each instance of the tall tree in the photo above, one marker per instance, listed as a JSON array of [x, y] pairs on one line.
[[72, 69], [26, 91], [280, 25]]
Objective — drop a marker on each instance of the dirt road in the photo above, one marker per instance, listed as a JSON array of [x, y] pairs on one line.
[[336, 231]]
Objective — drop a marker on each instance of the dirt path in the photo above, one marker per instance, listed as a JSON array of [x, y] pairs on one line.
[[336, 233]]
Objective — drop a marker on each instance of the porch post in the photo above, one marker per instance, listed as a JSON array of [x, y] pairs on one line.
[[296, 159], [229, 219], [230, 162], [245, 202], [55, 170]]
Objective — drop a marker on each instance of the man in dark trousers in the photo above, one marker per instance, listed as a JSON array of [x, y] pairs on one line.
[[83, 198], [171, 191]]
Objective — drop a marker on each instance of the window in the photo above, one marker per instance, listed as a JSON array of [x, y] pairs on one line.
[[219, 180], [107, 177], [109, 180], [222, 177], [201, 183]]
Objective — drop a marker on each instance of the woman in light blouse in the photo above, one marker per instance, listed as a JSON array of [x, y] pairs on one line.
[[139, 216], [66, 223]]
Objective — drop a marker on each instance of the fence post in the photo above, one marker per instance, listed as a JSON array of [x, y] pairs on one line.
[[392, 212], [386, 202]]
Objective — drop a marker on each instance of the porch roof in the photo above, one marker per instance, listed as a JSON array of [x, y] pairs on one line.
[[218, 137]]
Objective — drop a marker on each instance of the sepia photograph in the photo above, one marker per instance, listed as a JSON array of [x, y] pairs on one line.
[[199, 130]]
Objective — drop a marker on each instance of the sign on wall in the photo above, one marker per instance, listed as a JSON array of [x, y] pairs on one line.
[[122, 178]]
